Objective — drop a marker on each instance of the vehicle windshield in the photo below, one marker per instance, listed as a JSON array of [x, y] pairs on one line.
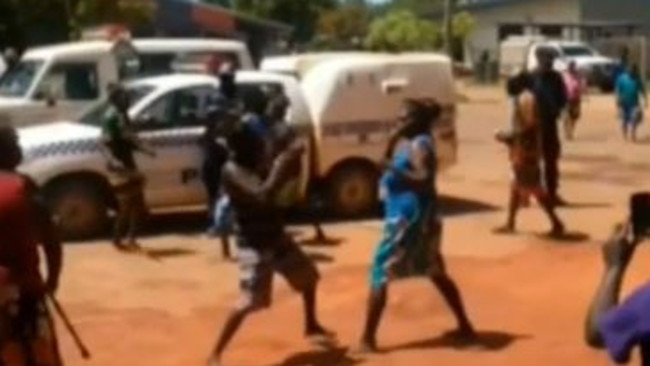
[[94, 115], [577, 51], [17, 82]]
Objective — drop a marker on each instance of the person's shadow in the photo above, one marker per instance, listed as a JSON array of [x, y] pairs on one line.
[[490, 341], [327, 357]]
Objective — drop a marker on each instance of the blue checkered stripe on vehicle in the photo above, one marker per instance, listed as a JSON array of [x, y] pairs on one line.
[[72, 147], [171, 139]]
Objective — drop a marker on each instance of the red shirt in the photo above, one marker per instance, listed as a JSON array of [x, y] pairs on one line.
[[18, 234]]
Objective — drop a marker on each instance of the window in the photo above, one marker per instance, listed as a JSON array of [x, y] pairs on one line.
[[576, 51], [552, 31], [205, 61], [18, 81], [94, 116], [507, 30], [72, 81], [154, 64], [180, 108], [250, 93]]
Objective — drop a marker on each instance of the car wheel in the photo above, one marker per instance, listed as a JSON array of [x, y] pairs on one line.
[[353, 190], [80, 209]]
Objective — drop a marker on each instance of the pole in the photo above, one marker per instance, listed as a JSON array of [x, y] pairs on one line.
[[449, 26]]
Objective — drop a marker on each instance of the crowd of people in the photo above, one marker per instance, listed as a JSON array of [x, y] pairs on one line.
[[251, 161]]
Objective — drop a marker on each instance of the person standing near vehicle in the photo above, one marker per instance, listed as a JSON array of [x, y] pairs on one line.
[[27, 333], [120, 144], [575, 86], [263, 245], [551, 98], [630, 90], [222, 114]]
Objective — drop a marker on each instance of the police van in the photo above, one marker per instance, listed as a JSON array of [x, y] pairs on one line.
[[354, 98], [344, 110], [59, 81]]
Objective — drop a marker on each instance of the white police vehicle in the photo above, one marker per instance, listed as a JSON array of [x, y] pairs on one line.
[[168, 111], [344, 108]]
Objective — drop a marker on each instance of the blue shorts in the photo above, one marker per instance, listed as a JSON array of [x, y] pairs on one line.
[[631, 115], [223, 216]]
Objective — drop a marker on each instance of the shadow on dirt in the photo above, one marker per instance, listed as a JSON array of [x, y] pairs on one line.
[[570, 237], [329, 357], [195, 224], [167, 253], [490, 341], [320, 257], [456, 206]]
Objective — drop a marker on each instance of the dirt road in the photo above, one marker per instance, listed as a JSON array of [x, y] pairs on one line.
[[526, 295]]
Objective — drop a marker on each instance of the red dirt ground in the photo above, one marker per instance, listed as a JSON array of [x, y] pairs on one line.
[[527, 296]]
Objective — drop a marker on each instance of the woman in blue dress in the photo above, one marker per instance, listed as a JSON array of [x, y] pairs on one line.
[[410, 245]]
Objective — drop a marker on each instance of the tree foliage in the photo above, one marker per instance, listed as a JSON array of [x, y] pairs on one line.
[[402, 30], [302, 14], [463, 25], [344, 26]]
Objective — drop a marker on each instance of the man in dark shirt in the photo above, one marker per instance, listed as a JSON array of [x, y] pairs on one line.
[[551, 96], [120, 145], [263, 245]]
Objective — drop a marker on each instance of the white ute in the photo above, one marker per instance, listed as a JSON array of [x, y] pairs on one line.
[[58, 82], [344, 109], [520, 51]]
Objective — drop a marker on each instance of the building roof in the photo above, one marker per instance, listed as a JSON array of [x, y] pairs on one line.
[[244, 17]]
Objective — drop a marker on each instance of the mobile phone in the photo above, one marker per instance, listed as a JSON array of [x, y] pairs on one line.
[[640, 214]]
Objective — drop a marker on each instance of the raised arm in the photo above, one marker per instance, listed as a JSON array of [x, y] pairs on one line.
[[617, 253], [240, 186], [422, 172]]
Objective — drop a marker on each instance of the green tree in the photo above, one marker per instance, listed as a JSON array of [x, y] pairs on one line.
[[344, 26], [419, 7], [302, 14], [401, 30], [463, 24]]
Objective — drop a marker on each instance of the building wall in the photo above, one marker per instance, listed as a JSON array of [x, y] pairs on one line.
[[485, 36], [618, 10]]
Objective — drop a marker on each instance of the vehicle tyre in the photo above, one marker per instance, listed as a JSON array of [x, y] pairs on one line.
[[80, 208], [352, 190]]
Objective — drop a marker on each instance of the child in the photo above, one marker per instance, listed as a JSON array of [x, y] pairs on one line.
[[629, 92], [574, 85], [524, 143]]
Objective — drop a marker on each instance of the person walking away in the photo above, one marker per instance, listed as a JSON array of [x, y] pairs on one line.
[[620, 328], [551, 99], [120, 145], [629, 93], [525, 145], [263, 245], [410, 209], [574, 84], [27, 333]]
